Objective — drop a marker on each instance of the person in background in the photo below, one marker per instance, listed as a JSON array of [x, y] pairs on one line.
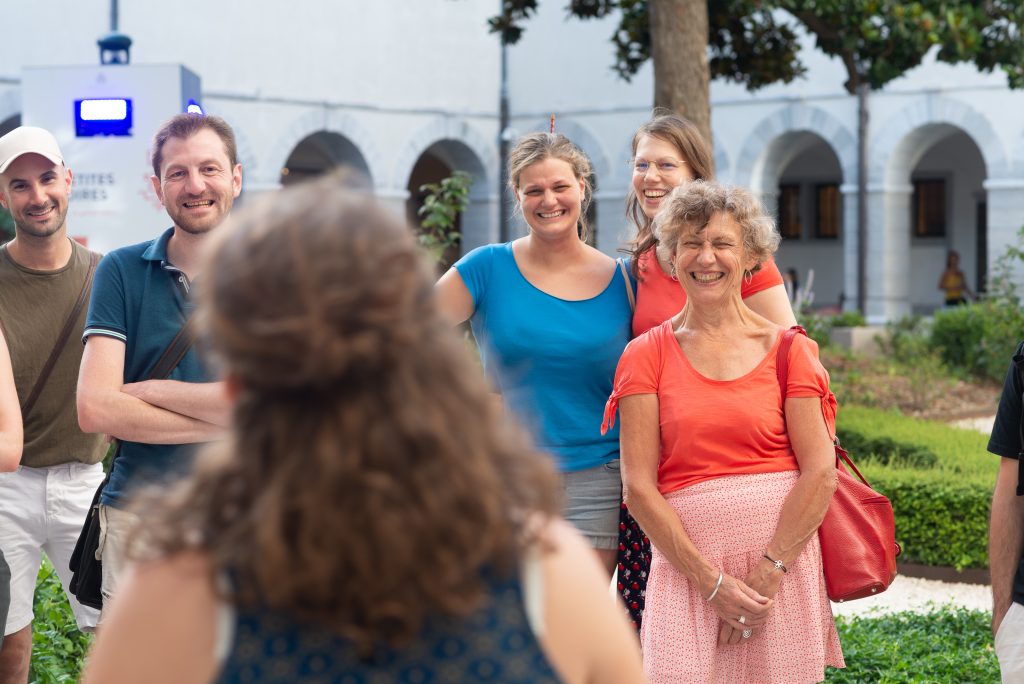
[[953, 282], [141, 299], [48, 487], [1006, 528], [669, 151], [729, 482], [792, 283], [551, 316], [373, 517]]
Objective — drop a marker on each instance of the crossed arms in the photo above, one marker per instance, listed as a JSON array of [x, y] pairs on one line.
[[151, 411]]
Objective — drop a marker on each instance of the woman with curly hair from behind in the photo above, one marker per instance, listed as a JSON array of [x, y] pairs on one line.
[[372, 516]]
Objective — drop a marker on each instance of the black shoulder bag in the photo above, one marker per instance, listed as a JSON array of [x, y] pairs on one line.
[[86, 569]]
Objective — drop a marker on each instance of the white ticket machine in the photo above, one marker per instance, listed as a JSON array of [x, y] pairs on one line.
[[104, 118]]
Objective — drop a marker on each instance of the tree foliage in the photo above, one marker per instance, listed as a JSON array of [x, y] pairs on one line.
[[754, 43]]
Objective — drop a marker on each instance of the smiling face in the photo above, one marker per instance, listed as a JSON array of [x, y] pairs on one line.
[[197, 183], [658, 167], [550, 196], [710, 262], [36, 192]]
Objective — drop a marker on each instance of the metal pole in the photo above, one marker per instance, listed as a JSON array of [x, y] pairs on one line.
[[503, 143], [862, 196], [113, 16]]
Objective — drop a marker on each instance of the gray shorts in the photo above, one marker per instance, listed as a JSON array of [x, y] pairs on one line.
[[592, 500]]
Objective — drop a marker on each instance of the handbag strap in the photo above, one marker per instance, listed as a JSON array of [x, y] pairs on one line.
[[175, 351], [629, 285], [782, 372], [62, 338]]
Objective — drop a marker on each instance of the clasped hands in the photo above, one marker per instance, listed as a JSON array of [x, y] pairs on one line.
[[751, 599]]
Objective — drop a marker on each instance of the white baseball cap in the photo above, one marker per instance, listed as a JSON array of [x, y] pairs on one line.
[[28, 140]]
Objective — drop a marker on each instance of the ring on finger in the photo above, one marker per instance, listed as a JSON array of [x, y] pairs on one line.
[[747, 633], [742, 619]]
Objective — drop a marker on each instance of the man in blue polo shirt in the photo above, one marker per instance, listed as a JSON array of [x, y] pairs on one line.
[[140, 300]]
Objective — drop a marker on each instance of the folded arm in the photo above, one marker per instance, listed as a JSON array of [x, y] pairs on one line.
[[11, 437], [104, 407], [640, 446], [205, 401]]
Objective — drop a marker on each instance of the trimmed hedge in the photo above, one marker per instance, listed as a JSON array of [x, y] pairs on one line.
[[941, 501]]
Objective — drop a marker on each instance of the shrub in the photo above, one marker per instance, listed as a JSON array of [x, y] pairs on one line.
[[940, 519], [58, 648], [819, 328], [946, 645], [979, 338], [942, 503]]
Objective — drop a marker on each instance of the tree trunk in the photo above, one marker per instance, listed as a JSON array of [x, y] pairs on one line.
[[679, 50]]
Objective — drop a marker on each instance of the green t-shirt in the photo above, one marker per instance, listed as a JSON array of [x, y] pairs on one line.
[[33, 308]]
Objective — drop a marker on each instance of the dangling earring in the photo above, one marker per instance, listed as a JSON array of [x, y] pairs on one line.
[[748, 276], [672, 272]]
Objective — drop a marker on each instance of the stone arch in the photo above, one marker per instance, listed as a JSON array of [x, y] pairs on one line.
[[908, 134], [449, 129], [764, 153], [337, 122]]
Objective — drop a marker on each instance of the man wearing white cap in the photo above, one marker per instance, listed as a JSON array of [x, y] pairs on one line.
[[45, 281]]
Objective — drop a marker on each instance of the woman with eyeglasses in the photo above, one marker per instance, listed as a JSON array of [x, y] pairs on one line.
[[669, 151]]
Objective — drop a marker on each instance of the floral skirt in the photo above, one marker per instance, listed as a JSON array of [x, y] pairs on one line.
[[731, 520]]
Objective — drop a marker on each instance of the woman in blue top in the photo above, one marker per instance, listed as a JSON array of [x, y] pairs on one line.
[[551, 315]]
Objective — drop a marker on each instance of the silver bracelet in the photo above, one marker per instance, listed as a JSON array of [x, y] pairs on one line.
[[718, 585]]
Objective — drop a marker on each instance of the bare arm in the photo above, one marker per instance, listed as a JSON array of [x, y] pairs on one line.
[[11, 436], [104, 408], [205, 401], [639, 438], [453, 298], [774, 305], [806, 505], [1005, 539], [159, 628], [585, 633]]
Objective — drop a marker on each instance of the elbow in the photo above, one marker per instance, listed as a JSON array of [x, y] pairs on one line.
[[90, 415], [10, 457], [828, 479]]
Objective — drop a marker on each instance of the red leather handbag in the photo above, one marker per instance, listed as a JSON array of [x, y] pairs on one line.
[[858, 534]]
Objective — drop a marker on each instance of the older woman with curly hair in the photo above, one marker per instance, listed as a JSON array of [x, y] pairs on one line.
[[729, 482], [372, 517]]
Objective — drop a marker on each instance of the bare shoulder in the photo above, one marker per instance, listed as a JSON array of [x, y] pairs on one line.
[[160, 626], [586, 636]]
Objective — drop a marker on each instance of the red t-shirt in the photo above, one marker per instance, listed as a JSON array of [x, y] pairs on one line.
[[711, 428], [659, 296]]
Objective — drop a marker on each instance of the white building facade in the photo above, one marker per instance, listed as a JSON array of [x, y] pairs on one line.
[[408, 91]]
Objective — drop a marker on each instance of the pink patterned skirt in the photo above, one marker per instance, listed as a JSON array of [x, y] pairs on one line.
[[731, 520]]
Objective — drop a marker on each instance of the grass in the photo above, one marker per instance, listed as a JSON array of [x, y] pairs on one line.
[[947, 645], [959, 452], [58, 648]]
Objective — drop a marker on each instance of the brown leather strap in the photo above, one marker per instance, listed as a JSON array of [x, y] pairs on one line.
[[175, 351], [62, 339]]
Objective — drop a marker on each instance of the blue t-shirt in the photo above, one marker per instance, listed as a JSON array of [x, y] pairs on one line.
[[142, 300], [553, 360]]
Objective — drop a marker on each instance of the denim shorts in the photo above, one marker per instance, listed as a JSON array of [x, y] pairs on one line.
[[592, 500]]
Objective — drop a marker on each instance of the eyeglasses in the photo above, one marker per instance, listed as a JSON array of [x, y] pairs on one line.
[[665, 166]]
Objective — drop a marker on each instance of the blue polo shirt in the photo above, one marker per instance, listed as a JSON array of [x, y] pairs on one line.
[[138, 297]]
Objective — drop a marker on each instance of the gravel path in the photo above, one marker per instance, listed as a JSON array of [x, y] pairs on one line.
[[918, 595]]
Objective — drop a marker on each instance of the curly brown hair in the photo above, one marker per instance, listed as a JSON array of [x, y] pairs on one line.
[[694, 150], [369, 479], [689, 209]]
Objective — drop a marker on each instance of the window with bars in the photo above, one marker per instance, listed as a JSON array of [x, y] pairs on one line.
[[828, 210], [789, 211], [929, 208]]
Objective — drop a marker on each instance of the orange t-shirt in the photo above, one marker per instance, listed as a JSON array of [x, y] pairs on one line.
[[711, 428], [659, 296]]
